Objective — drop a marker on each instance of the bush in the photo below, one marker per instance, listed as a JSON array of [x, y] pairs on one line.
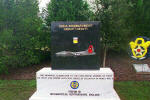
[[22, 32]]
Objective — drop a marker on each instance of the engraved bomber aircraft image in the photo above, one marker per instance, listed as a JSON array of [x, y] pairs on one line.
[[88, 52]]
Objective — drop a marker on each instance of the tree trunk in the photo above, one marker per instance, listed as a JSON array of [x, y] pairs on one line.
[[104, 59]]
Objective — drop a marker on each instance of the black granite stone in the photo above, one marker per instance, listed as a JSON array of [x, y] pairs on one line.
[[75, 45]]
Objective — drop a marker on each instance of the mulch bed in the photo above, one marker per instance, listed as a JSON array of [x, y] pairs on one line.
[[122, 67], [25, 73]]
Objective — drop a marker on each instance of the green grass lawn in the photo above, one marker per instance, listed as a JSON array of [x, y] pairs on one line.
[[23, 89], [132, 90], [16, 89]]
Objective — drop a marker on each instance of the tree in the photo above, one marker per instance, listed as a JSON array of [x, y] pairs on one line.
[[67, 10], [20, 29], [140, 18], [114, 16]]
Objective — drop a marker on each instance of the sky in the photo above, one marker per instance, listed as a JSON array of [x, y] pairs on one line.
[[42, 4]]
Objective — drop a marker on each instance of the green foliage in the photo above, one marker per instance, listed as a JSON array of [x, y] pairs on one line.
[[114, 15], [122, 20], [21, 34], [141, 17], [67, 10]]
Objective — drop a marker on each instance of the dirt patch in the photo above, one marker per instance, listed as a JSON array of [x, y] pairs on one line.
[[26, 73], [122, 67]]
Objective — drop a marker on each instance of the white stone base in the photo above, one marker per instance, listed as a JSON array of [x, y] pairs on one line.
[[141, 68], [92, 85], [112, 95]]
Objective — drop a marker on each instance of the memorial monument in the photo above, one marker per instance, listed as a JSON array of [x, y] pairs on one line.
[[75, 72], [75, 45]]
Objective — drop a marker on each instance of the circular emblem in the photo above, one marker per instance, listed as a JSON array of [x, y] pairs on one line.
[[74, 84], [139, 48]]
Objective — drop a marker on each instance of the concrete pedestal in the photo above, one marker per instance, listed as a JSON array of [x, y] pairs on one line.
[[75, 85]]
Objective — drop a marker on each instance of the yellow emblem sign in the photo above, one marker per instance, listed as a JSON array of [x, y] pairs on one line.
[[139, 48], [75, 40], [74, 84]]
